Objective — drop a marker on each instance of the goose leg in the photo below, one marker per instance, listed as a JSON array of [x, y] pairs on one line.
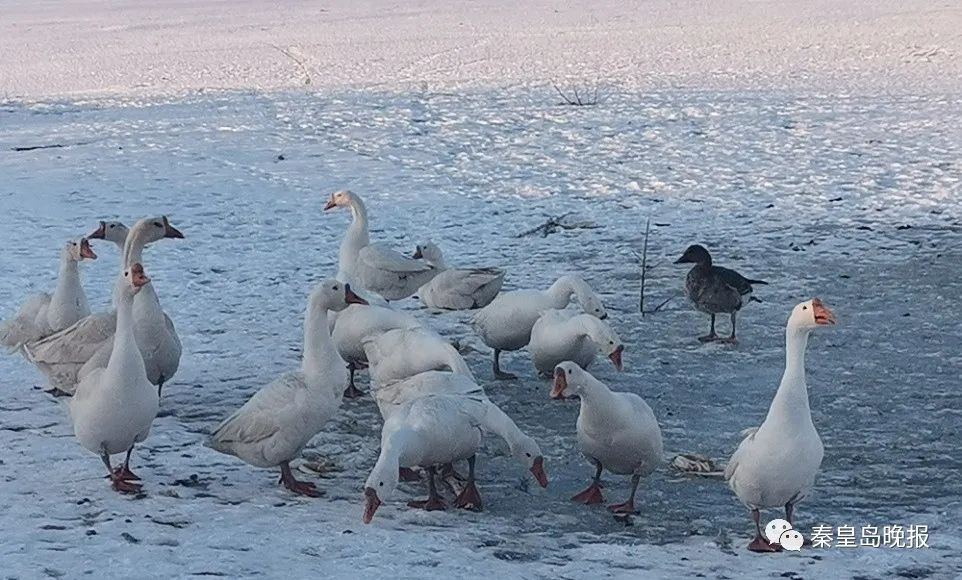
[[408, 474], [498, 373], [123, 472], [470, 498], [434, 500], [711, 336], [592, 494], [352, 392], [160, 385], [298, 487], [119, 485], [731, 339], [759, 544], [629, 506]]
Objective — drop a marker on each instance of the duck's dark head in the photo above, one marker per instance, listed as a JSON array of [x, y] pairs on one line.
[[695, 254]]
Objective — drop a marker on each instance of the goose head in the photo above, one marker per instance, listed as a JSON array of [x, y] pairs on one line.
[[380, 486], [810, 315], [134, 279], [152, 229], [569, 380], [334, 295], [79, 251], [607, 340], [527, 452], [343, 198], [115, 232], [695, 254], [592, 305], [428, 251]]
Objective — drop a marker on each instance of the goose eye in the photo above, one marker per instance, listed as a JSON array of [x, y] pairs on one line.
[[73, 243], [125, 274], [112, 226], [335, 287], [158, 224], [569, 371], [527, 455], [381, 484], [804, 307]]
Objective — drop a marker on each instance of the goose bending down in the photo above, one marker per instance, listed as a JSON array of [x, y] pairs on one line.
[[375, 267], [456, 288], [560, 335], [404, 352], [44, 314], [113, 407], [273, 427], [715, 290], [523, 448], [506, 323], [67, 356], [427, 431], [616, 431], [357, 323], [775, 465]]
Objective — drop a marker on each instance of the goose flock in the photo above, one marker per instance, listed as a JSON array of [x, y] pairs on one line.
[[113, 366]]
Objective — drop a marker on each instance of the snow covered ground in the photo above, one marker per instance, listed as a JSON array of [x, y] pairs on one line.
[[856, 199]]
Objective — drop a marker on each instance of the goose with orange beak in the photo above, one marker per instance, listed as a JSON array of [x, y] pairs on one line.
[[776, 464], [272, 428], [616, 431], [560, 335], [44, 314]]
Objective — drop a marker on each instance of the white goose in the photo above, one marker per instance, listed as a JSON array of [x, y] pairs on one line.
[[44, 314], [506, 323], [456, 288], [66, 357], [775, 465], [404, 352], [561, 335], [115, 232], [375, 267], [357, 323], [616, 431], [113, 407], [430, 430], [273, 427], [523, 448]]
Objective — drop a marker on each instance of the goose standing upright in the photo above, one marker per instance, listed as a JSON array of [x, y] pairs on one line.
[[776, 464], [114, 407], [616, 431], [558, 335], [44, 314], [375, 267], [273, 427], [506, 323], [456, 288], [67, 356], [715, 290]]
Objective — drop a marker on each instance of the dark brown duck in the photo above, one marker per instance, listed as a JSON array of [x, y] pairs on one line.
[[715, 290]]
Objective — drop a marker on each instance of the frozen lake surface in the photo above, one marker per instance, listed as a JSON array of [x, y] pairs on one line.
[[855, 200]]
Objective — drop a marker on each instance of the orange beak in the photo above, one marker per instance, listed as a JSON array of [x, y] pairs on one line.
[[350, 297], [138, 277], [537, 469], [823, 316], [86, 251], [170, 231], [330, 204], [560, 384], [616, 356], [100, 233], [371, 503]]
